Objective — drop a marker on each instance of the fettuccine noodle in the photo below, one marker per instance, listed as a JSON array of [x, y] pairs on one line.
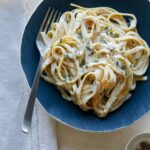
[[95, 57]]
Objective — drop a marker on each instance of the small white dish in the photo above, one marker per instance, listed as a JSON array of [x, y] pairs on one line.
[[134, 143]]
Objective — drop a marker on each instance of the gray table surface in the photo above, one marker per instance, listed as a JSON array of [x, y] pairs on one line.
[[46, 134]]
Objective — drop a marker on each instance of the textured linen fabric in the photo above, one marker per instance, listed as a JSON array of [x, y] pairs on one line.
[[46, 134], [14, 90]]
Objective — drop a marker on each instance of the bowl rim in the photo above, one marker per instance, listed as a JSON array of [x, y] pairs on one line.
[[142, 135], [57, 119]]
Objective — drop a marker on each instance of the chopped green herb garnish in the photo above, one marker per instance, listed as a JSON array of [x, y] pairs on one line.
[[68, 18], [126, 74], [106, 28], [78, 55], [116, 35], [89, 28], [102, 29], [61, 40], [103, 41], [111, 34], [100, 94], [123, 67], [117, 63], [64, 80], [67, 55], [79, 35], [82, 63], [137, 59], [90, 92], [88, 48], [69, 75], [90, 54]]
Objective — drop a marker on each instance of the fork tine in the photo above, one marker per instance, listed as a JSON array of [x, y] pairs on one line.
[[48, 21], [53, 19], [58, 17], [44, 20]]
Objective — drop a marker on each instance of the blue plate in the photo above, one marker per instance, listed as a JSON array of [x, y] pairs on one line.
[[51, 99]]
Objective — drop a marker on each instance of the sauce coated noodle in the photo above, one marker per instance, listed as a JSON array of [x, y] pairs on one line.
[[95, 57]]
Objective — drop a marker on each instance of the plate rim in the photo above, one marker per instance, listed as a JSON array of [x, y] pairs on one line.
[[55, 118]]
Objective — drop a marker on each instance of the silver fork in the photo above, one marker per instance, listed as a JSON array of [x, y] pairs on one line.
[[51, 16]]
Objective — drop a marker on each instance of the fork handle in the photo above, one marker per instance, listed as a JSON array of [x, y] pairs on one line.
[[26, 126]]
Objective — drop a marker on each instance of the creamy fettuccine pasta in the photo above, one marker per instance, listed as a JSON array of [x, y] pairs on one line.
[[95, 57]]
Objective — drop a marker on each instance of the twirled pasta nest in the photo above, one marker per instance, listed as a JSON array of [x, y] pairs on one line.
[[95, 57]]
